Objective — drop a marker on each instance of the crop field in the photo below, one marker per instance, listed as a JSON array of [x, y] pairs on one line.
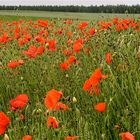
[[69, 15], [69, 79]]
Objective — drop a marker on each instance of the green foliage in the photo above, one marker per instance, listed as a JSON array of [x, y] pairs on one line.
[[120, 91]]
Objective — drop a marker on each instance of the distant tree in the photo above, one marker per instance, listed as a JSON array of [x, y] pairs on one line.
[[89, 9]]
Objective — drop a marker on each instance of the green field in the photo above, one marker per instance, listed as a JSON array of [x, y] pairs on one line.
[[88, 16], [26, 70]]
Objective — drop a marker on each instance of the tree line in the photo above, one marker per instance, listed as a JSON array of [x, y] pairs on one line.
[[85, 9]]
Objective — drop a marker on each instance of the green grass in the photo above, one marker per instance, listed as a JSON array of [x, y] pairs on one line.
[[71, 15], [120, 91]]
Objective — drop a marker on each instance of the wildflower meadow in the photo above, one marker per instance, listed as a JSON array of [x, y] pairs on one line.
[[70, 79]]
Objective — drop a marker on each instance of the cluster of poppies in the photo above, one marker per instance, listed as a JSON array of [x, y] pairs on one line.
[[44, 39], [51, 103]]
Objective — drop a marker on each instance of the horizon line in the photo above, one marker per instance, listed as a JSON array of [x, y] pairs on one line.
[[80, 5]]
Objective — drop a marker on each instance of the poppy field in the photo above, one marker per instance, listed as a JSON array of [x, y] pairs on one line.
[[70, 79]]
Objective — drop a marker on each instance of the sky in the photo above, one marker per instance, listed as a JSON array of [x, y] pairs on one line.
[[69, 2]]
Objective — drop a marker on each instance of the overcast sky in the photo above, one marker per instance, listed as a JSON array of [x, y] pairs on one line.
[[68, 2]]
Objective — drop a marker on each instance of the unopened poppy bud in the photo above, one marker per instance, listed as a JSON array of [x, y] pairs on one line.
[[117, 126], [5, 137], [21, 78], [22, 117], [103, 136], [110, 99], [47, 44], [74, 100], [101, 65], [38, 111], [67, 75]]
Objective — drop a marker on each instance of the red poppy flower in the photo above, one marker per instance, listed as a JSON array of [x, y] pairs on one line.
[[133, 24], [91, 31], [94, 80], [96, 90], [69, 34], [51, 101], [28, 37], [71, 137], [42, 23], [117, 28], [76, 47], [100, 107], [96, 77], [62, 106], [40, 50], [79, 41], [33, 51], [38, 38], [16, 35], [13, 64], [67, 52], [52, 98], [52, 44], [69, 42], [20, 42], [27, 137], [108, 58], [59, 31], [115, 20], [4, 38], [127, 136], [65, 65], [30, 52], [87, 85], [71, 59], [82, 25], [52, 122], [19, 102], [4, 121]]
